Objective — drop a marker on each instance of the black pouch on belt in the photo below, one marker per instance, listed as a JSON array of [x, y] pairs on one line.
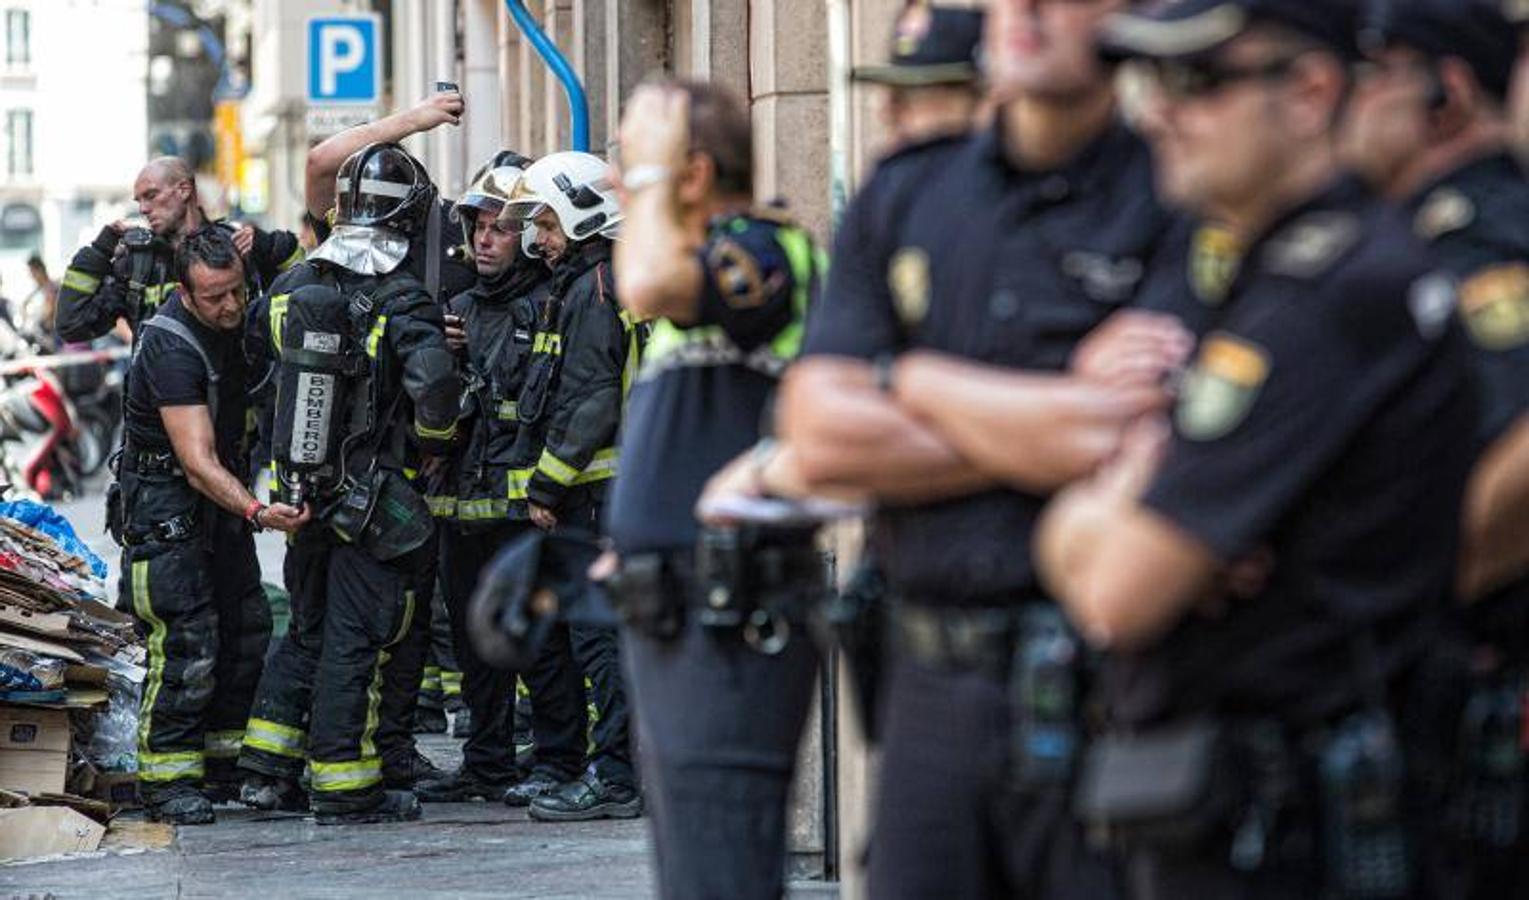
[[857, 615], [383, 515], [648, 596], [1170, 789]]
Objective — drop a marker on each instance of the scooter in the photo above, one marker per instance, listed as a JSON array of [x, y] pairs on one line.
[[37, 426]]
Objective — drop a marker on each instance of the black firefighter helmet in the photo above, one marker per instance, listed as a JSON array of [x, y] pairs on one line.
[[382, 185], [539, 579]]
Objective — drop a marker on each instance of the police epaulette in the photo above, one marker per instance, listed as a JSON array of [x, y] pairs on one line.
[[1312, 244]]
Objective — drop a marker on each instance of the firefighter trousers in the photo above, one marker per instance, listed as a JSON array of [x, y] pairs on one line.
[[321, 698], [207, 623]]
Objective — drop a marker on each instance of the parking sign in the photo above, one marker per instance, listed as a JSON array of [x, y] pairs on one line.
[[343, 59]]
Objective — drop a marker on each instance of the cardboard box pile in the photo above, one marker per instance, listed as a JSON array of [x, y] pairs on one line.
[[69, 666]]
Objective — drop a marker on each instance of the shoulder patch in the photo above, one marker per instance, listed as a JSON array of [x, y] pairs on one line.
[[1215, 255], [1445, 210], [1495, 303], [1219, 391], [1312, 244], [737, 274], [908, 277]]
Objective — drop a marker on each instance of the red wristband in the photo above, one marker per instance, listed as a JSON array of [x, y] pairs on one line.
[[253, 510]]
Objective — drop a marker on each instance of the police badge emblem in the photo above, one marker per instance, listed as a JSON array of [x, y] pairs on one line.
[[1220, 390], [908, 277], [1214, 259]]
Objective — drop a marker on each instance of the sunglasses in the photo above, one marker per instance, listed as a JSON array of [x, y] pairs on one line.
[[1196, 80]]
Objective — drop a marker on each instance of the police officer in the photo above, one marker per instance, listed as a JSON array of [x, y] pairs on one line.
[[1427, 124], [189, 567], [493, 323], [1001, 252], [1335, 346], [929, 89], [125, 273], [357, 573], [729, 286], [584, 354]]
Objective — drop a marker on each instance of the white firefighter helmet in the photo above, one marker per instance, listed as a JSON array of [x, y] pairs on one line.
[[577, 187], [490, 190]]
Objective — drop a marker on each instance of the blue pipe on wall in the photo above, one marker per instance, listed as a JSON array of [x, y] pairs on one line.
[[578, 103]]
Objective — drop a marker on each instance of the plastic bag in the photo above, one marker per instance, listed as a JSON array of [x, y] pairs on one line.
[[22, 670], [113, 745], [46, 520]]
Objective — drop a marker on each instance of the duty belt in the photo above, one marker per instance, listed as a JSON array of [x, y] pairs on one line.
[[149, 462], [955, 639], [173, 530]]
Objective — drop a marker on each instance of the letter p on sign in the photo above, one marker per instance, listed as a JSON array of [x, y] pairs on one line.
[[342, 60]]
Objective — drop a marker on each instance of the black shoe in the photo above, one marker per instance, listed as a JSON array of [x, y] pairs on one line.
[[429, 720], [536, 785], [181, 806], [394, 806], [416, 769], [461, 785], [462, 723], [587, 799], [270, 793]]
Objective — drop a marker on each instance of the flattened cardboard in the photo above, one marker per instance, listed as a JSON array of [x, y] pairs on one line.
[[27, 729], [38, 645], [54, 625], [34, 771], [46, 831]]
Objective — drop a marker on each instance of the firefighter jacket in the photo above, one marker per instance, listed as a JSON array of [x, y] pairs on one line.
[[406, 406], [499, 317], [584, 357], [97, 287]]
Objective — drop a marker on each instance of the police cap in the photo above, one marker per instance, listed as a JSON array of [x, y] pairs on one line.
[[931, 45], [1184, 29], [1478, 32]]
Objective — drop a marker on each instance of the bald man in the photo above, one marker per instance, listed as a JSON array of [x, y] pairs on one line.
[[125, 273]]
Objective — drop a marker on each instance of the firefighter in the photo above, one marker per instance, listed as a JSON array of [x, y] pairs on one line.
[[190, 571], [368, 390], [584, 354], [126, 272]]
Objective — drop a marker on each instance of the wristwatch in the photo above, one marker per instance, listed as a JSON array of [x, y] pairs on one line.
[[639, 177], [252, 515]]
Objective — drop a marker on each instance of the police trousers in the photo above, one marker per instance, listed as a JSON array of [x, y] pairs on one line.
[[557, 695], [947, 820], [200, 603], [321, 696], [719, 725]]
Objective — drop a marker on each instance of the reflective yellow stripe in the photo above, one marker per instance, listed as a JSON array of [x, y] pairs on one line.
[[278, 314], [154, 295], [451, 682], [83, 282], [431, 679], [223, 744], [509, 411], [276, 738], [156, 675], [435, 434], [600, 468], [547, 342], [169, 766], [482, 508], [442, 507], [519, 483], [379, 328], [353, 775], [799, 252], [296, 257], [556, 469], [409, 473]]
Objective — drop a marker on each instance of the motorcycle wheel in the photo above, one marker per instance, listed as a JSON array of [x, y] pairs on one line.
[[92, 445]]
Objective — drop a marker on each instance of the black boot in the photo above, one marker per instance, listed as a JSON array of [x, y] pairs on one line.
[[587, 799], [271, 793], [462, 723], [535, 786], [461, 785], [391, 806], [180, 805], [415, 770]]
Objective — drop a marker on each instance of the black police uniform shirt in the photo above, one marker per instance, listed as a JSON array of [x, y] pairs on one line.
[[1476, 220], [951, 248], [166, 371], [1325, 422], [701, 396]]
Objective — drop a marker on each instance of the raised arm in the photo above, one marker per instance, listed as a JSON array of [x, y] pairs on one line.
[[325, 158]]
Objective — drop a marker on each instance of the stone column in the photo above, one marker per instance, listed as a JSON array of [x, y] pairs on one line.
[[483, 126], [558, 23], [636, 45], [530, 87], [788, 66]]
